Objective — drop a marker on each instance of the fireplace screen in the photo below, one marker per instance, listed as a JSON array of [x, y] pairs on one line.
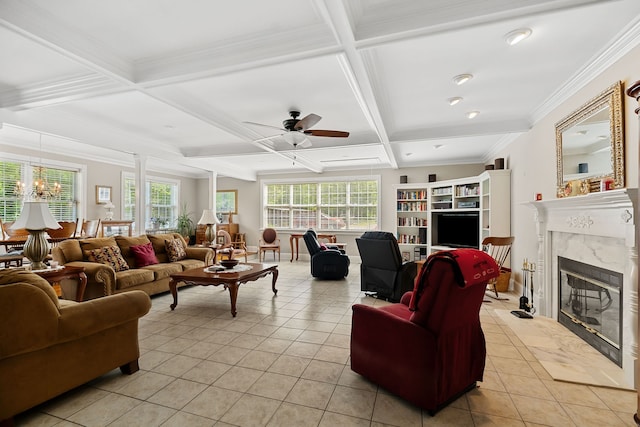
[[590, 299]]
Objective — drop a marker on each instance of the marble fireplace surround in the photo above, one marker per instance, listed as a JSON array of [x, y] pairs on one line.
[[596, 229]]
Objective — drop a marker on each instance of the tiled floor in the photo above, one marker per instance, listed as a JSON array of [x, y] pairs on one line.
[[284, 361]]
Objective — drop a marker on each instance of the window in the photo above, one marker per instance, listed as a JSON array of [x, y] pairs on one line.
[[323, 205], [64, 207], [161, 204]]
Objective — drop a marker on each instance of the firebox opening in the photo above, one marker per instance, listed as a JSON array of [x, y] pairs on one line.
[[589, 301]]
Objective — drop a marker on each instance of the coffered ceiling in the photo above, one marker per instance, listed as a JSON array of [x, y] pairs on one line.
[[177, 81]]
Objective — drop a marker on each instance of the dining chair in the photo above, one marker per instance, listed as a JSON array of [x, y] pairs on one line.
[[269, 242], [90, 228]]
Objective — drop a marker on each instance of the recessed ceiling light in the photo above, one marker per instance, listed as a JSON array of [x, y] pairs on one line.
[[455, 100], [581, 132], [461, 79], [435, 147], [603, 137], [516, 36], [472, 114], [409, 154]]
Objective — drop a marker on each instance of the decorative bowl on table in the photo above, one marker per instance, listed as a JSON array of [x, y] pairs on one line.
[[229, 263]]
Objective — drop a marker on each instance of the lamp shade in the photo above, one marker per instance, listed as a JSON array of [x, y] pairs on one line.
[[208, 217], [35, 216], [109, 205]]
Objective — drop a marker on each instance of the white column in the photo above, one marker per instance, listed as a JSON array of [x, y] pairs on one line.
[[141, 193]]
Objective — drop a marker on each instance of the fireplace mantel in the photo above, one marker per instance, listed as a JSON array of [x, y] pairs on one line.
[[599, 229]]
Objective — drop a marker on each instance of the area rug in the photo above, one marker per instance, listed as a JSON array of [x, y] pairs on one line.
[[564, 355]]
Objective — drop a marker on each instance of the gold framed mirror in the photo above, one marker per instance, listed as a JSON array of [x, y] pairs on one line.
[[590, 144]]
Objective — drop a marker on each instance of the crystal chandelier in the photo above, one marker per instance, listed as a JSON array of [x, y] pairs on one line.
[[41, 189]]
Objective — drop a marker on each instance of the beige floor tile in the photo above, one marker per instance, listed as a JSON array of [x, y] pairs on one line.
[[352, 402], [177, 365], [260, 360], [349, 378], [238, 379], [182, 419], [176, 330], [105, 410], [302, 349], [315, 337], [150, 359], [201, 350], [486, 420], [319, 370], [274, 345], [491, 402], [339, 340], [525, 386], [585, 416], [285, 333], [73, 401], [176, 345], [492, 381], [576, 394], [213, 402], [145, 385], [247, 341], [330, 419], [513, 366], [143, 415], [251, 411], [617, 400], [290, 415], [541, 411], [332, 354], [395, 411], [504, 350], [310, 393], [274, 386], [229, 355], [177, 394], [289, 365], [262, 330], [152, 342], [207, 372]]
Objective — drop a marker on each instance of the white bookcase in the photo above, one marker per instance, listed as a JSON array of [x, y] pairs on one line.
[[480, 205]]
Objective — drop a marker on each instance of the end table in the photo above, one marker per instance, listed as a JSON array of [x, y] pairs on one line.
[[55, 276]]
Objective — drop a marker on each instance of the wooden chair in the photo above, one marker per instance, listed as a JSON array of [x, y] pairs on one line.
[[226, 247], [67, 231], [19, 236], [269, 242], [499, 249], [90, 228]]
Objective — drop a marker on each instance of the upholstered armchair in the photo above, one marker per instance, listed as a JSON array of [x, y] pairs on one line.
[[382, 271], [429, 349], [327, 262], [49, 346]]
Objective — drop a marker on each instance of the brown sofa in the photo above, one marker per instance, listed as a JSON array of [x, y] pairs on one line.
[[49, 346], [103, 280]]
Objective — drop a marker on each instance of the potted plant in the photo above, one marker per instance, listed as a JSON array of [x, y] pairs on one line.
[[185, 225]]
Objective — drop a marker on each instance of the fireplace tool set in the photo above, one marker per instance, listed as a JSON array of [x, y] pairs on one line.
[[527, 310]]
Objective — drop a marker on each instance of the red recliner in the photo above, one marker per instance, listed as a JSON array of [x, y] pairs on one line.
[[428, 349]]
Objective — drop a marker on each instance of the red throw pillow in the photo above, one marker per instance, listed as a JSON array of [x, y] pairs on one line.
[[144, 255]]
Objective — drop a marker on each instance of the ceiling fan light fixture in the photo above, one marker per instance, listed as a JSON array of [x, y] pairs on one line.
[[472, 114], [516, 36], [455, 100], [461, 79]]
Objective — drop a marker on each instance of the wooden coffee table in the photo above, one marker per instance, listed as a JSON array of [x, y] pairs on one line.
[[231, 280]]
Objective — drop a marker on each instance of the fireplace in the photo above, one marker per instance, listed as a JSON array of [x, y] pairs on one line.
[[595, 292], [589, 301]]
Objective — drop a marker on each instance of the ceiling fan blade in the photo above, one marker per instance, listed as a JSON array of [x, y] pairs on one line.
[[266, 126], [328, 133], [307, 122]]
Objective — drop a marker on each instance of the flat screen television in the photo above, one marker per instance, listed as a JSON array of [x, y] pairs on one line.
[[456, 229]]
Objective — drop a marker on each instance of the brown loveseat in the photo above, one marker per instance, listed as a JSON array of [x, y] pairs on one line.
[[102, 279], [49, 346]]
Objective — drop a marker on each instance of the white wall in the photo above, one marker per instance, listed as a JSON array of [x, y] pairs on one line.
[[532, 157]]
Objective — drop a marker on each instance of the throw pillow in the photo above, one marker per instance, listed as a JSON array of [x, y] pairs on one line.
[[323, 247], [109, 255], [175, 250], [144, 255]]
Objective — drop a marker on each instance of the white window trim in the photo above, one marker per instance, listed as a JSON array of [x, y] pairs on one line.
[[265, 182]]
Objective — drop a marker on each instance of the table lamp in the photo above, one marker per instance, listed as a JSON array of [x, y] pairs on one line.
[[35, 218], [209, 219], [109, 206]]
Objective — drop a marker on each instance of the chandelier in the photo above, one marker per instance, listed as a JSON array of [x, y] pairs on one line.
[[40, 190]]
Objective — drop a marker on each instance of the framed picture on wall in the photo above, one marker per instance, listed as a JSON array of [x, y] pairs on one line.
[[406, 256], [103, 194]]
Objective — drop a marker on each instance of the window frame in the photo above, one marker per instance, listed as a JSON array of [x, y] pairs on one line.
[[150, 179], [319, 206]]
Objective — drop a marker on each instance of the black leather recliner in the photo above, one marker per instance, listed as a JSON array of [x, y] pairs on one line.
[[382, 271], [329, 263]]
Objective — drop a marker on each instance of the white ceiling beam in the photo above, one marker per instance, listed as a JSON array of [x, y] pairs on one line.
[[355, 71]]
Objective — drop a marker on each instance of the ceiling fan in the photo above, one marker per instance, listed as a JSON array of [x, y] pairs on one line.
[[295, 131]]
